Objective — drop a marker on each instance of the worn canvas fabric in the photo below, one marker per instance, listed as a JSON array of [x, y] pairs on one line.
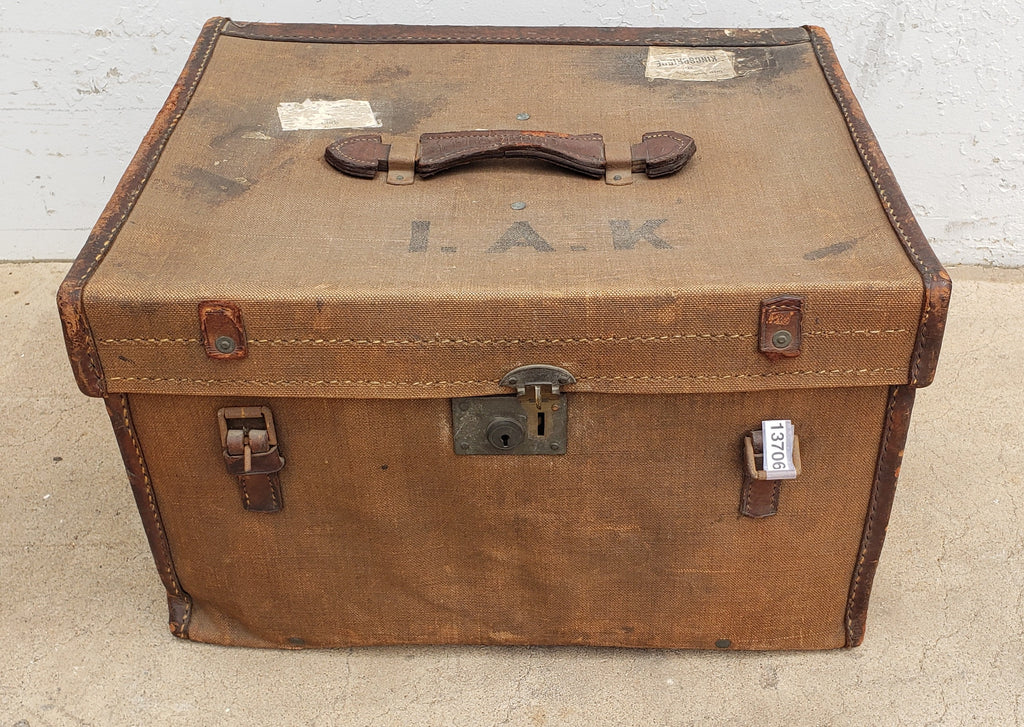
[[369, 306]]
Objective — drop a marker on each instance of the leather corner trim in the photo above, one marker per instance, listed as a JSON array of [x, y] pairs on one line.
[[179, 602], [697, 37], [179, 613], [77, 332], [936, 281], [78, 339], [883, 491]]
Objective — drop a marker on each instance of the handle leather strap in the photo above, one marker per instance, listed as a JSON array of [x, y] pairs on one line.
[[658, 153]]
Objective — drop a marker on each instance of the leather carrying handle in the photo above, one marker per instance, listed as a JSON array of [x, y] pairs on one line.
[[658, 154]]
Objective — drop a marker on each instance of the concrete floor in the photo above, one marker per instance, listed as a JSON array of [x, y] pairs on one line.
[[83, 623]]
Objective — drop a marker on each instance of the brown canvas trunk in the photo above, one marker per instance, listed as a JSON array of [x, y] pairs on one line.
[[308, 372]]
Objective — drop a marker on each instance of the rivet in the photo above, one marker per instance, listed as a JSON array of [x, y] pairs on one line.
[[399, 176], [523, 116], [296, 641], [554, 446], [513, 381], [463, 406], [225, 344], [782, 339], [617, 177], [723, 643], [518, 205], [463, 445], [555, 407]]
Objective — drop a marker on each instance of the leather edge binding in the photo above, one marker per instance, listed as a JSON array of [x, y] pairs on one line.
[[936, 281], [178, 601], [327, 33], [77, 333], [883, 492]]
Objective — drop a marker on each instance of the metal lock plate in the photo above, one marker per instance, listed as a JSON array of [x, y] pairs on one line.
[[534, 421]]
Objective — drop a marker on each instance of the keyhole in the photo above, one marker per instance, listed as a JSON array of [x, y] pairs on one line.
[[505, 434]]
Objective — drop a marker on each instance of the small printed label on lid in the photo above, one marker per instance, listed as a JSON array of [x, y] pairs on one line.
[[690, 64], [778, 449], [345, 113]]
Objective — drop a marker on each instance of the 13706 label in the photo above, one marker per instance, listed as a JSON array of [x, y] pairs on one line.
[[778, 449]]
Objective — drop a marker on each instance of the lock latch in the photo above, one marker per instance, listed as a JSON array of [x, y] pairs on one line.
[[251, 453], [534, 421]]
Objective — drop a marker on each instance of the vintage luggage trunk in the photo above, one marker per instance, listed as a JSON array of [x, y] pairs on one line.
[[525, 400]]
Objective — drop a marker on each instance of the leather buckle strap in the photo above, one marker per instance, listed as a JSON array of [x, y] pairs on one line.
[[759, 496], [251, 454]]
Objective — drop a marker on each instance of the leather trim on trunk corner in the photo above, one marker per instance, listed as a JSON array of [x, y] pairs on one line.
[[883, 492], [77, 333], [936, 281], [178, 601], [695, 37]]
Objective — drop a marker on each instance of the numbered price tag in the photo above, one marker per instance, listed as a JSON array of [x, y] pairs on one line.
[[778, 449]]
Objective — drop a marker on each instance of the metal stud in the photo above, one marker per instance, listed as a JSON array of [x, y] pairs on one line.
[[723, 643], [225, 344], [523, 116], [782, 339], [518, 205]]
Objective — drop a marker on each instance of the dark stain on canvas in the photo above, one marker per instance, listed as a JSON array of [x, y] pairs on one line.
[[831, 250], [388, 74], [212, 187]]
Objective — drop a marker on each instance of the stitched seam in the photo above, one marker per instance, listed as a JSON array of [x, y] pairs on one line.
[[337, 382], [861, 332], [516, 341], [745, 499], [245, 491], [443, 341], [507, 134], [537, 145], [666, 155], [134, 195], [128, 341], [151, 500], [882, 195], [337, 147], [870, 523]]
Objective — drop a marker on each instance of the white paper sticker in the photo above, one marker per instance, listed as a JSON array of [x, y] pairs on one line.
[[690, 64], [778, 449], [346, 113]]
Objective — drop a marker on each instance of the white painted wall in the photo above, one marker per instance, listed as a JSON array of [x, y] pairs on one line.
[[942, 84]]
